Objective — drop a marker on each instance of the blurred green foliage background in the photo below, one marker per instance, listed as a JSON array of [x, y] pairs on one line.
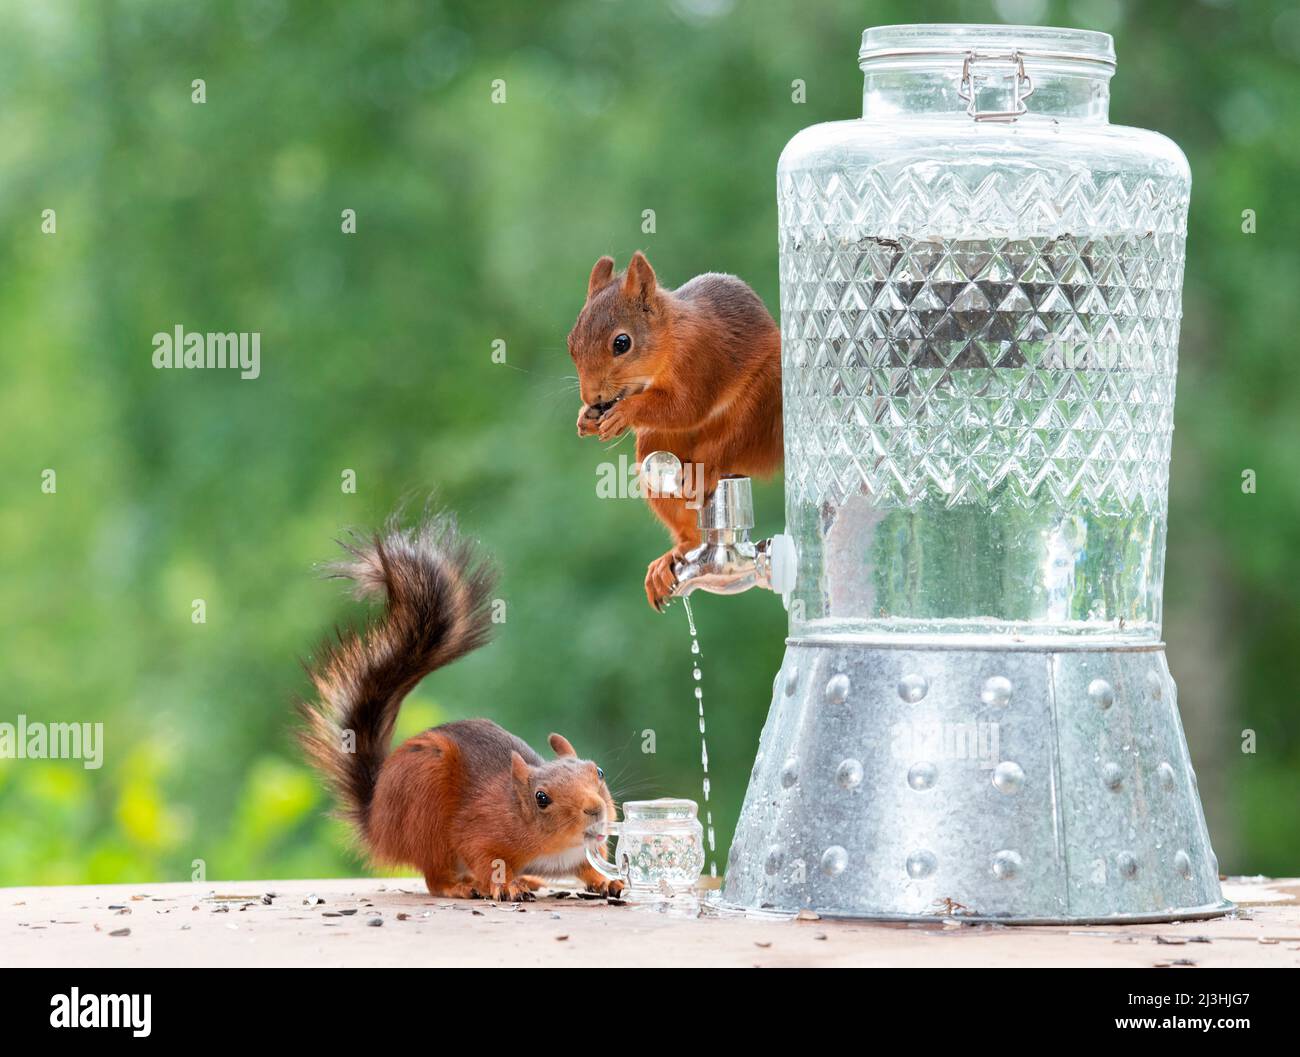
[[478, 222]]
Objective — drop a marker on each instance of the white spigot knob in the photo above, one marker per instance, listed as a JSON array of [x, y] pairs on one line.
[[785, 563], [661, 474]]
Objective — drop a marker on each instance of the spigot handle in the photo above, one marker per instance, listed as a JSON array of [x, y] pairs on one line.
[[661, 474]]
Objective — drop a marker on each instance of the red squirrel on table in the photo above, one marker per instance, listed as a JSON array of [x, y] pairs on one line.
[[470, 805], [695, 371]]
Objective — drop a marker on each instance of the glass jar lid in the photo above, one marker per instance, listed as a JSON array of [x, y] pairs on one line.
[[1040, 44], [663, 808]]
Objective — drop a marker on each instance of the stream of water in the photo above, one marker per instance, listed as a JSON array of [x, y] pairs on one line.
[[697, 676]]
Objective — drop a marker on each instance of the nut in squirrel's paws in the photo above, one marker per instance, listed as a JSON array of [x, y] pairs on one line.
[[660, 580], [587, 418], [614, 421]]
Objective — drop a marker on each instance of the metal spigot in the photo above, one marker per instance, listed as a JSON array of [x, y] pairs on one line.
[[727, 562]]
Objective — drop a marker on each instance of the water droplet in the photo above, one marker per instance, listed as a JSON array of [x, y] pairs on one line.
[[696, 674], [1183, 864], [920, 864], [922, 775], [695, 646], [1128, 865], [911, 688], [1006, 865], [837, 689], [790, 772], [1008, 777], [699, 693], [997, 691], [849, 774], [1166, 775], [775, 857], [834, 861], [1112, 777], [1101, 693]]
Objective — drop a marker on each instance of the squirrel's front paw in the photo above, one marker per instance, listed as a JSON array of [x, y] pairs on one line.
[[613, 422], [587, 419], [660, 580], [516, 891], [605, 888]]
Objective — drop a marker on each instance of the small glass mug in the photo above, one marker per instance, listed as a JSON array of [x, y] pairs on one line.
[[661, 844]]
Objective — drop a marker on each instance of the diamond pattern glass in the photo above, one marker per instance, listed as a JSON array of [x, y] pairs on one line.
[[979, 365], [995, 370]]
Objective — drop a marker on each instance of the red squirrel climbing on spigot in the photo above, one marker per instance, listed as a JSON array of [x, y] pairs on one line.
[[695, 371]]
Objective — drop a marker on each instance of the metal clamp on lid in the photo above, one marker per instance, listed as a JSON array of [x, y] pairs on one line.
[[1022, 86]]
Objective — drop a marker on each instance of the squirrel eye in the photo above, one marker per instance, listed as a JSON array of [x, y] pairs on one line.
[[542, 799], [600, 773], [621, 344]]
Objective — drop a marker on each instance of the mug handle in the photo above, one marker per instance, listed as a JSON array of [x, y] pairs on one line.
[[598, 862]]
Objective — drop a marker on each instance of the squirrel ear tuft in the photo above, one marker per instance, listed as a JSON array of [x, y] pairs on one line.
[[518, 768], [639, 282], [601, 274], [561, 745]]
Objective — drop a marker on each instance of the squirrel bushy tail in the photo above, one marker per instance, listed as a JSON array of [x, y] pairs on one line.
[[437, 591]]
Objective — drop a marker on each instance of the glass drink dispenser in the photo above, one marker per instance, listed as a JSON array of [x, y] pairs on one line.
[[980, 302]]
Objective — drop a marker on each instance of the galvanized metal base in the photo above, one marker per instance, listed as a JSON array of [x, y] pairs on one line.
[[903, 780]]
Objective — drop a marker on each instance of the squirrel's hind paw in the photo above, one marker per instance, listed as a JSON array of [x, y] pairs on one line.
[[660, 580]]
